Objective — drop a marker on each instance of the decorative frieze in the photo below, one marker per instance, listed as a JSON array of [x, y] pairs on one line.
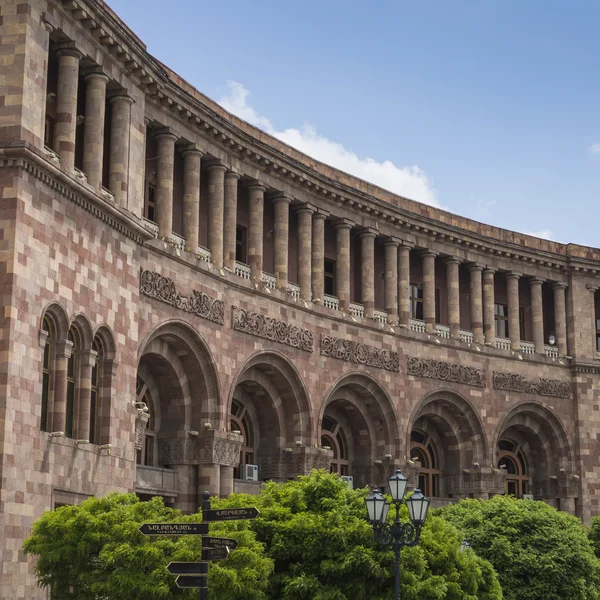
[[271, 329], [512, 382], [436, 369], [162, 288], [209, 448], [358, 353]]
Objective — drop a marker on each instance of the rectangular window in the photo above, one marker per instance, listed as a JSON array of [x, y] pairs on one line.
[[241, 244], [597, 335], [416, 302], [49, 132], [501, 320], [329, 274], [522, 323], [437, 306], [150, 208]]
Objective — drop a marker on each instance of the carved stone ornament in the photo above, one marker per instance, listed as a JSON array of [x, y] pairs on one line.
[[271, 329], [208, 449], [141, 422], [358, 353], [512, 382], [163, 289], [436, 369]]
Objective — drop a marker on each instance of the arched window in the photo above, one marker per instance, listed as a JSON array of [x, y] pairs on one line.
[[47, 370], [332, 436], [72, 374], [240, 422], [423, 449], [512, 459], [146, 456], [96, 387]]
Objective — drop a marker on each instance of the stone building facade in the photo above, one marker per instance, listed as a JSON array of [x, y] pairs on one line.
[[185, 296]]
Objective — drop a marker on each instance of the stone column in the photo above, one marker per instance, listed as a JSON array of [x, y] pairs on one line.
[[318, 256], [216, 209], [230, 216], [560, 319], [367, 270], [391, 280], [452, 287], [305, 225], [514, 330], [88, 359], [404, 285], [489, 301], [537, 314], [164, 183], [192, 161], [256, 201], [343, 227], [59, 404], [226, 488], [44, 84], [476, 303], [281, 210], [118, 170], [93, 128], [66, 107], [429, 290]]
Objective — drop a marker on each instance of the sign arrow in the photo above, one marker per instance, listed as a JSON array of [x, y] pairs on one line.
[[192, 581], [215, 553], [230, 514], [217, 542], [174, 528], [187, 568]]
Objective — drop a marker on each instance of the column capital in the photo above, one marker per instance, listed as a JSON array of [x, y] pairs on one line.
[[534, 280], [305, 207], [321, 214], [216, 166], [166, 133], [592, 287], [392, 241], [428, 252], [558, 285], [451, 260], [281, 197], [69, 50], [343, 223], [64, 348], [489, 270], [512, 275], [120, 97], [89, 357], [232, 175], [193, 149], [475, 267], [95, 74], [255, 185], [368, 232]]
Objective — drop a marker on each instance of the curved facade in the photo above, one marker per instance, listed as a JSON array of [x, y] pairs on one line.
[[190, 304]]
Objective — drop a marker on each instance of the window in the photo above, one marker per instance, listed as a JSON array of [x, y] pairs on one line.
[[72, 372], [241, 244], [329, 274], [501, 321], [46, 370], [332, 436], [240, 422], [513, 461], [96, 386], [49, 132], [150, 208], [416, 302], [145, 456], [422, 449], [597, 335]]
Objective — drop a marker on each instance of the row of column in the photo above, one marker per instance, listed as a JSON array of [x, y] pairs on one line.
[[93, 127]]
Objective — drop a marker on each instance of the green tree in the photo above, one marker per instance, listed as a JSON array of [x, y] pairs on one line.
[[539, 553], [95, 550], [594, 535], [315, 530]]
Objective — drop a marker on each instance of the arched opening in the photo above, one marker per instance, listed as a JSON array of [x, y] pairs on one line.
[[424, 452], [511, 459], [241, 423], [47, 368], [147, 454], [358, 424], [72, 379]]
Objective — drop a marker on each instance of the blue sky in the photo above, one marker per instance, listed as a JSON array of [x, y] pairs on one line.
[[488, 108]]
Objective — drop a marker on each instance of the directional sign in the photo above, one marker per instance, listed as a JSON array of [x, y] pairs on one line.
[[229, 514], [187, 568], [192, 581], [215, 542], [174, 528], [215, 553]]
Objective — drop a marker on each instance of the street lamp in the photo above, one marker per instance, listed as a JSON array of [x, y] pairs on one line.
[[397, 534]]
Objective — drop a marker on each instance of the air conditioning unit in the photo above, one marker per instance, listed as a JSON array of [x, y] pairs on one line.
[[251, 472], [528, 497], [349, 480]]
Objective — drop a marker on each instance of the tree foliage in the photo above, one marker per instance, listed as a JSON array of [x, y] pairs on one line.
[[539, 553], [95, 550], [315, 530]]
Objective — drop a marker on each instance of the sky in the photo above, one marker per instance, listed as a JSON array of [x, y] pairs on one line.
[[486, 108]]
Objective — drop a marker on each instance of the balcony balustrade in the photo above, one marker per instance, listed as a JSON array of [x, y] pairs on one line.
[[243, 270], [466, 336], [551, 351], [527, 347], [357, 310], [294, 291], [503, 343], [331, 302], [417, 325], [270, 280], [155, 480], [380, 316], [442, 331], [204, 254]]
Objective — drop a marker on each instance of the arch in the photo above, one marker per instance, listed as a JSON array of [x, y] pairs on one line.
[[544, 432], [84, 328], [105, 335], [278, 377], [59, 318], [198, 364], [458, 427]]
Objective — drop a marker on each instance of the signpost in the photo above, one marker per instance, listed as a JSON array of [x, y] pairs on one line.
[[195, 574]]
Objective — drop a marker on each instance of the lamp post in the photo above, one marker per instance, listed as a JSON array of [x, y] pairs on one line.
[[397, 534]]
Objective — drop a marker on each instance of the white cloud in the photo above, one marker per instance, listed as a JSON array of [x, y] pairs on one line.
[[545, 234], [409, 181], [594, 149]]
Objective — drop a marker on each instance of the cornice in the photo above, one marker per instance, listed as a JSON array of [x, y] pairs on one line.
[[24, 158]]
